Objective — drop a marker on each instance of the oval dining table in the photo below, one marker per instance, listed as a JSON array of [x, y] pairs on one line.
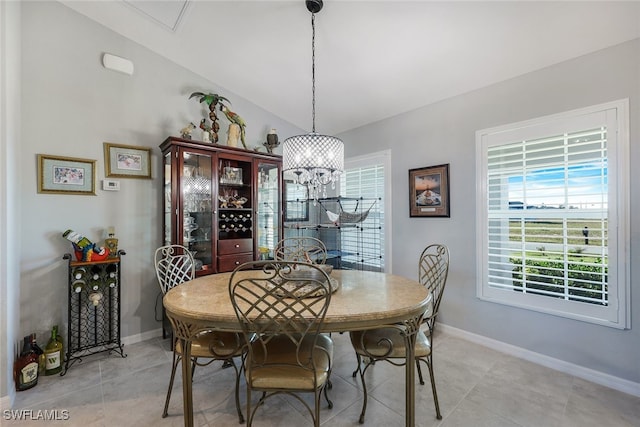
[[363, 300]]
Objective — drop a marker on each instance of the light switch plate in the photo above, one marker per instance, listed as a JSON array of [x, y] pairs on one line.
[[110, 185]]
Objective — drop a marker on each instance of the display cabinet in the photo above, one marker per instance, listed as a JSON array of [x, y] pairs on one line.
[[223, 203], [94, 308]]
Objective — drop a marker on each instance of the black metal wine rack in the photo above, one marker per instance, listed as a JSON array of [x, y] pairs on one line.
[[94, 308]]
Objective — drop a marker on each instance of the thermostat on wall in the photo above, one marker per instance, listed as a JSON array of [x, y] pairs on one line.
[[110, 185]]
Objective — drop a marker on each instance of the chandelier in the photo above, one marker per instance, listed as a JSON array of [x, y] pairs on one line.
[[316, 160]]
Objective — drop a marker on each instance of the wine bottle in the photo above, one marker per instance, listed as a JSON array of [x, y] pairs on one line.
[[60, 340], [79, 272], [112, 275], [78, 285], [95, 278], [111, 271], [25, 371], [53, 354], [78, 239]]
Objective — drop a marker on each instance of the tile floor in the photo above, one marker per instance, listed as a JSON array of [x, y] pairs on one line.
[[477, 387]]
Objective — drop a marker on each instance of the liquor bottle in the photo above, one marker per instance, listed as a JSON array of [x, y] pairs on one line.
[[40, 353], [53, 354], [111, 242], [25, 369]]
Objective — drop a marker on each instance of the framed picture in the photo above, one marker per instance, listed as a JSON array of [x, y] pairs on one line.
[[66, 175], [127, 161], [296, 204], [429, 191]]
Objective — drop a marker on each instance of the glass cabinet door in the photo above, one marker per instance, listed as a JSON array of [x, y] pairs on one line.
[[268, 208], [167, 200], [196, 205]]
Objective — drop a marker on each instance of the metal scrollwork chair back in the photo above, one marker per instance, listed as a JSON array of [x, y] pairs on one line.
[[284, 309], [301, 249], [388, 343], [175, 265], [433, 269]]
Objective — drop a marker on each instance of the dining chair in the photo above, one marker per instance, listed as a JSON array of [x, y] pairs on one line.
[[283, 304], [174, 265], [388, 343], [301, 249]]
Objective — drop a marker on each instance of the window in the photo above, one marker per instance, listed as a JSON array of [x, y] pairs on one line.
[[365, 177], [553, 214]]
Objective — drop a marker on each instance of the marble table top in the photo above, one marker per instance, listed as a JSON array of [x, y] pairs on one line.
[[363, 300]]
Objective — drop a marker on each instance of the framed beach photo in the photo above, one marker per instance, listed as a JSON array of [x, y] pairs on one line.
[[66, 175], [429, 191], [127, 161]]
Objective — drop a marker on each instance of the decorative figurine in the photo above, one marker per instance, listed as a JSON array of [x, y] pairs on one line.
[[272, 141], [224, 201], [185, 132], [206, 130], [212, 100], [233, 135], [239, 202], [235, 119]]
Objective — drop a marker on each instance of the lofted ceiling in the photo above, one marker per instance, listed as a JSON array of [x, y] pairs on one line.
[[374, 59]]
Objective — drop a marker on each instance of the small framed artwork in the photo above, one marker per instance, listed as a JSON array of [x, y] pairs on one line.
[[66, 175], [429, 191], [127, 161]]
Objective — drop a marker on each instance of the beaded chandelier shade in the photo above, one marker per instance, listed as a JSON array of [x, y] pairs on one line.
[[316, 160]]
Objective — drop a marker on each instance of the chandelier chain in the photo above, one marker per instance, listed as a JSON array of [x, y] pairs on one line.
[[313, 72], [314, 161]]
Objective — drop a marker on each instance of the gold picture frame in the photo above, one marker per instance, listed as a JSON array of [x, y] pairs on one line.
[[66, 175], [127, 161], [429, 191]]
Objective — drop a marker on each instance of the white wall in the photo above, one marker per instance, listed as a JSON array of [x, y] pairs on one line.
[[70, 106], [445, 133], [9, 200]]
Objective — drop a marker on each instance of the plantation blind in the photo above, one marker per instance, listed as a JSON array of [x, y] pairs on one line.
[[547, 209], [553, 195]]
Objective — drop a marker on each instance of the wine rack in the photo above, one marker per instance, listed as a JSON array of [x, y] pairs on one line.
[[94, 309]]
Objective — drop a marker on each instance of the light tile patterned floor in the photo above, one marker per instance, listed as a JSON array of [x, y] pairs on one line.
[[477, 387]]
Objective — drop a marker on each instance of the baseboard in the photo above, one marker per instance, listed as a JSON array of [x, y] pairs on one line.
[[132, 339], [597, 377]]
